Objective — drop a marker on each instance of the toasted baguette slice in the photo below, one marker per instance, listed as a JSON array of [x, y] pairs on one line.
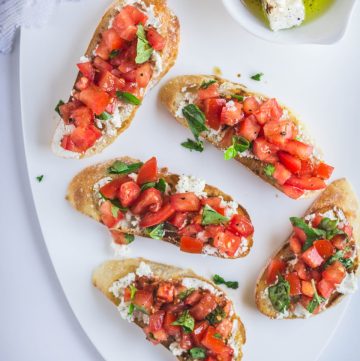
[[338, 195], [111, 271], [182, 90], [167, 24], [83, 197]]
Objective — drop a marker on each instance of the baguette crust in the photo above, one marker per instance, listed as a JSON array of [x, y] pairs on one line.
[[80, 194], [338, 194], [172, 94], [169, 27], [109, 272]]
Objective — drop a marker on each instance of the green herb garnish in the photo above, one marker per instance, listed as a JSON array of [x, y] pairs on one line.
[[257, 76], [210, 216], [205, 84], [120, 167], [316, 301], [269, 170], [39, 178], [128, 97], [182, 295], [197, 353], [218, 336], [129, 238], [279, 295], [156, 232], [216, 316], [104, 116], [133, 291], [195, 118], [143, 47], [114, 53], [239, 145], [58, 105], [114, 210], [159, 185], [131, 309], [339, 256], [218, 280], [198, 146], [328, 224], [186, 321], [238, 97]]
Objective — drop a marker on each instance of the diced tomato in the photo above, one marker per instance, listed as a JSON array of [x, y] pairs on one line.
[[269, 110], [249, 128], [305, 301], [127, 294], [191, 245], [144, 300], [149, 199], [307, 288], [281, 174], [148, 172], [156, 321], [95, 98], [165, 292], [191, 230], [143, 75], [210, 92], [292, 192], [199, 331], [298, 149], [227, 242], [84, 138], [128, 193], [152, 219], [170, 329], [214, 344], [224, 328], [212, 110], [158, 336], [315, 274], [66, 110], [186, 341], [206, 305], [119, 237], [112, 39], [264, 150], [339, 241], [295, 245], [156, 40], [250, 105], [323, 170], [136, 15], [324, 248], [301, 270], [325, 288], [214, 203], [294, 282], [185, 202], [334, 273], [312, 257], [307, 183], [307, 168], [179, 219], [110, 190], [82, 83], [82, 116], [227, 139], [125, 22], [278, 132], [209, 358], [316, 221], [101, 64], [300, 234], [231, 113], [275, 267], [348, 230], [107, 216], [193, 298], [241, 225], [102, 51], [109, 82], [289, 161], [87, 70]]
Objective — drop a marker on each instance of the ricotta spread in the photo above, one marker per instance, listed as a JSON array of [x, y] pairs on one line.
[[176, 349], [191, 184], [195, 283], [348, 285]]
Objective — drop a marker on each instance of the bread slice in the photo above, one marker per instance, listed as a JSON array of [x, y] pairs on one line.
[[82, 197], [182, 90], [168, 26], [338, 194], [109, 272]]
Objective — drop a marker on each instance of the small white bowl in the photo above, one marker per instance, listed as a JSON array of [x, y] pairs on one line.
[[327, 29]]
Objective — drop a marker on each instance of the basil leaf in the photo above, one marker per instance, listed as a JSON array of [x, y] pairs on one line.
[[58, 105], [104, 116], [156, 232], [148, 185], [129, 238], [279, 295], [218, 336], [218, 280], [161, 185], [143, 47], [133, 291], [230, 153], [131, 309], [186, 321], [257, 76], [239, 145], [206, 84], [114, 53], [316, 301], [115, 202], [210, 216], [114, 211], [238, 97], [198, 146], [39, 178], [197, 353], [184, 294], [269, 170], [120, 167], [311, 233], [128, 97], [195, 118], [328, 224], [216, 316], [339, 256]]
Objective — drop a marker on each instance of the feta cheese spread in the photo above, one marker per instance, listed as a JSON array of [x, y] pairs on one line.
[[62, 130], [195, 283], [144, 270], [191, 184], [348, 285], [232, 342], [176, 349], [301, 311], [117, 288], [188, 98]]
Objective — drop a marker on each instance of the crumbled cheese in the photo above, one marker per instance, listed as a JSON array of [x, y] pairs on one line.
[[301, 311], [188, 98], [282, 315], [195, 283], [230, 105], [144, 270], [329, 214], [176, 349], [142, 317], [202, 236], [215, 136], [156, 57], [309, 217], [348, 285], [210, 250], [285, 115], [231, 208], [233, 342], [247, 154], [130, 221], [117, 288], [62, 130], [98, 123], [133, 176], [228, 88], [84, 59], [123, 309], [244, 247], [120, 250], [191, 184]]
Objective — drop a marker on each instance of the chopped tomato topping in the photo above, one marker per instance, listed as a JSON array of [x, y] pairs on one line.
[[128, 193], [179, 219], [241, 225], [311, 183], [112, 39], [269, 110], [111, 189], [295, 245], [307, 288], [213, 343], [101, 64], [82, 83], [66, 110], [312, 257], [170, 329], [95, 98], [292, 192], [107, 216], [289, 161], [152, 219], [149, 200], [231, 113], [249, 128], [227, 242], [324, 248], [185, 341], [109, 82], [185, 202], [300, 234], [156, 40], [275, 267], [281, 174], [224, 328], [214, 203], [165, 292], [325, 288], [212, 111], [295, 283], [250, 105], [193, 298], [210, 92], [316, 221], [82, 139], [156, 321], [339, 241], [334, 273], [148, 172], [82, 116], [102, 51], [191, 230], [191, 245], [144, 300], [206, 305], [87, 70], [264, 150], [323, 170], [301, 270], [278, 132], [199, 331], [298, 149]]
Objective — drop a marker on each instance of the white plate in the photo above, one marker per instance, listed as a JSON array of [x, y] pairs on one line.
[[324, 92]]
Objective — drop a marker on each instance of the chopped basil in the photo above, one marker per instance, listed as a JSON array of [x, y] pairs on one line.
[[218, 280], [210, 216], [316, 300], [205, 84], [279, 295], [216, 316], [39, 178], [198, 146], [195, 118], [58, 105], [143, 48], [120, 167], [218, 336], [104, 116], [184, 294], [129, 238], [186, 321], [269, 170], [131, 309], [114, 53], [159, 185], [116, 203], [339, 256], [133, 291], [148, 185], [239, 145], [257, 76], [197, 353], [328, 224], [114, 211], [238, 97], [128, 97], [156, 232]]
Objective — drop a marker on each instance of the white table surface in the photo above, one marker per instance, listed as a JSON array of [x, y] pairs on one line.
[[36, 322]]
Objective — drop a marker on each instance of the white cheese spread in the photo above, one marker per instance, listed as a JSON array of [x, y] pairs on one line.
[[144, 270], [176, 349], [191, 184], [301, 311], [348, 285], [195, 283]]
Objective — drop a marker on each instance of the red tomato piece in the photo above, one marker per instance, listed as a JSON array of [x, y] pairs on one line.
[[186, 341], [316, 221], [241, 225], [323, 171], [212, 110], [107, 216], [144, 299], [109, 82], [179, 219], [152, 219], [307, 288], [324, 248], [348, 230], [214, 344], [66, 110], [143, 75], [301, 270], [84, 138], [298, 149], [295, 283], [325, 288], [125, 22], [95, 98], [206, 305], [112, 39], [191, 230], [150, 200], [135, 14], [226, 141], [281, 174], [165, 292], [185, 202], [87, 70], [193, 298], [191, 245], [156, 321], [214, 203], [170, 329], [292, 192], [101, 64], [334, 273], [250, 105], [199, 331], [289, 161], [231, 113], [339, 241], [128, 193], [307, 168], [102, 51], [316, 275], [278, 132], [111, 189], [312, 257], [156, 40], [275, 268], [265, 151], [295, 245], [227, 242], [119, 237], [148, 172], [269, 110], [210, 92], [82, 116], [224, 328], [307, 183], [300, 234], [249, 128], [82, 83]]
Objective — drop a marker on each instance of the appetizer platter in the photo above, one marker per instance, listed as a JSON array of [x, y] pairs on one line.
[[155, 181]]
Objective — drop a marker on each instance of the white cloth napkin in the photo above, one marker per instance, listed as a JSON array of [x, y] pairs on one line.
[[16, 13]]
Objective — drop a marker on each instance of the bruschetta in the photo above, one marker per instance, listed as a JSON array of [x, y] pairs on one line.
[[189, 315], [319, 263], [133, 47], [255, 130], [135, 198]]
